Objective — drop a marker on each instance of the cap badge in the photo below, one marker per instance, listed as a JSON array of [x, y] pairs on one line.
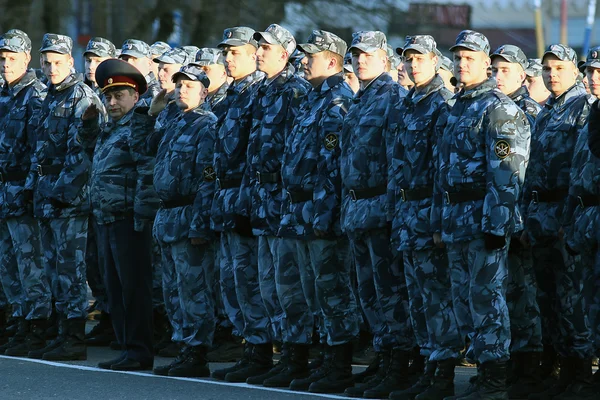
[[110, 81]]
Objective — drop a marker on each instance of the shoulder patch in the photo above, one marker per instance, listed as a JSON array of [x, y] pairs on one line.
[[331, 141], [502, 149], [209, 173]]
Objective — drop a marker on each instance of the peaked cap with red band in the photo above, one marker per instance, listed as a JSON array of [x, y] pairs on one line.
[[113, 73]]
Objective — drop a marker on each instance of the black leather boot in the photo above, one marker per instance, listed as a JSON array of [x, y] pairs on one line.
[[101, 334], [195, 365], [419, 387], [302, 384], [52, 344], [565, 378], [242, 363], [492, 383], [277, 368], [442, 384], [396, 377], [338, 377], [34, 340], [526, 375], [18, 339], [370, 382], [296, 368], [583, 387], [261, 361], [73, 348]]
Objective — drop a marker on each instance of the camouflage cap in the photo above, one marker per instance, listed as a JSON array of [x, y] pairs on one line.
[[473, 41], [192, 51], [534, 68], [56, 43], [369, 41], [135, 48], [159, 48], [276, 34], [16, 41], [348, 63], [562, 52], [512, 54], [592, 60], [444, 62], [209, 56], [394, 59], [100, 47], [424, 44], [238, 36], [324, 41], [193, 73], [173, 56]]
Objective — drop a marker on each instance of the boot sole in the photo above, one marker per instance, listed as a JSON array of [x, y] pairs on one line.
[[76, 358]]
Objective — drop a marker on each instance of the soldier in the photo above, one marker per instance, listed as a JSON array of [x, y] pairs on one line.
[[483, 154], [213, 65], [61, 199], [119, 194], [312, 279], [274, 110], [138, 54], [238, 269], [22, 271], [97, 50], [508, 68], [559, 274], [393, 61], [445, 68], [366, 141], [156, 50], [535, 83], [426, 265], [349, 75], [402, 77]]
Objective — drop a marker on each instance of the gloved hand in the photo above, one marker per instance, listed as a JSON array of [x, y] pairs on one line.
[[494, 242]]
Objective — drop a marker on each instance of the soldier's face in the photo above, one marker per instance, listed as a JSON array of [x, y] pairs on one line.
[[558, 75], [318, 67], [56, 66], [420, 68], [120, 102], [352, 81], [189, 94], [165, 73], [13, 65], [270, 58], [91, 63], [537, 89], [240, 61], [509, 76], [142, 63], [470, 67], [593, 78], [368, 66], [217, 76]]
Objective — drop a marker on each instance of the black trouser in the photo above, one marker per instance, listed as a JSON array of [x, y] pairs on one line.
[[128, 280]]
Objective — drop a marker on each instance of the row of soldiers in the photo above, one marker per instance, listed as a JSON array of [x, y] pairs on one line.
[[465, 216]]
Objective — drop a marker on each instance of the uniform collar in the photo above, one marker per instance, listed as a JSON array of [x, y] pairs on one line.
[[374, 85], [25, 81], [219, 94], [415, 96], [486, 86], [278, 80], [330, 83], [519, 94], [69, 81], [575, 91], [248, 80]]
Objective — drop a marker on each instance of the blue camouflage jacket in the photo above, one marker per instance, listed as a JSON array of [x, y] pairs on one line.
[[217, 103], [63, 192], [153, 89], [273, 114], [184, 176], [230, 150], [17, 142], [484, 148], [310, 162], [413, 167]]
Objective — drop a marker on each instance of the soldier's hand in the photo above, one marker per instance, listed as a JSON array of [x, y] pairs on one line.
[[524, 239], [319, 233], [437, 240], [159, 102], [198, 241], [90, 113]]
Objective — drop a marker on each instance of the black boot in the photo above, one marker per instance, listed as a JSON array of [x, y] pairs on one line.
[[472, 388], [318, 361], [4, 336], [18, 338], [101, 334], [549, 370], [194, 366], [442, 384], [583, 387], [492, 383], [34, 340], [277, 368], [302, 384], [370, 370], [422, 384], [226, 347], [375, 379], [417, 364], [261, 361], [73, 348], [396, 377], [526, 375], [52, 344], [242, 363], [565, 378], [163, 370], [296, 368], [338, 376], [53, 326]]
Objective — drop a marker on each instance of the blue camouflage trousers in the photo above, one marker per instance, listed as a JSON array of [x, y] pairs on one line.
[[188, 291], [158, 301], [227, 292], [26, 267], [64, 242], [95, 275], [521, 297], [12, 292], [479, 277], [382, 290], [432, 313], [268, 260], [222, 320]]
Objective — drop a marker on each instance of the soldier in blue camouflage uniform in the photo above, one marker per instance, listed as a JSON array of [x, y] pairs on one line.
[[311, 279], [366, 143], [157, 49], [483, 155], [139, 54], [21, 97], [445, 70], [213, 65], [238, 269], [61, 199], [535, 83], [560, 275], [274, 109], [97, 50], [425, 264], [121, 197], [184, 179], [349, 75], [508, 68]]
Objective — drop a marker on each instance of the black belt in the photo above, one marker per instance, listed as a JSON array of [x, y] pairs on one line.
[[13, 176], [588, 200], [554, 196], [180, 202], [263, 177], [464, 195], [228, 183], [44, 170], [299, 196], [367, 193], [419, 193]]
